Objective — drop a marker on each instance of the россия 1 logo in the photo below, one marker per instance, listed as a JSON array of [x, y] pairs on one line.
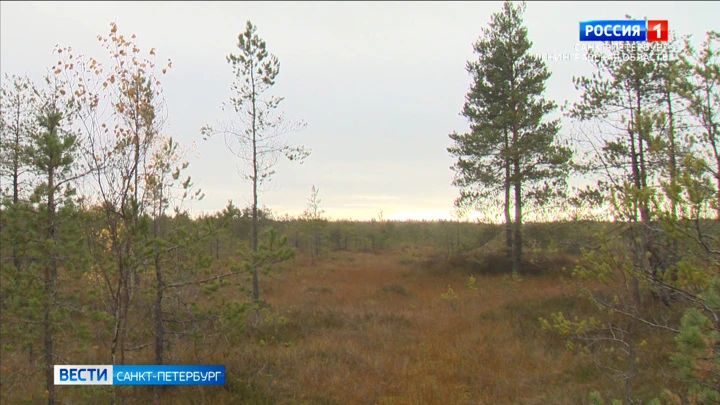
[[624, 30]]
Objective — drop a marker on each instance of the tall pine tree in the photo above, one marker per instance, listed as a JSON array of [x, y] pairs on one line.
[[255, 136], [52, 155], [511, 145]]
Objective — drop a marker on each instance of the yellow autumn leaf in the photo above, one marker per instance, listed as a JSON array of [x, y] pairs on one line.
[[62, 92], [164, 70], [152, 51]]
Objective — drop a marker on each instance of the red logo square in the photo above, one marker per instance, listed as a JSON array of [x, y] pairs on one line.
[[657, 30]]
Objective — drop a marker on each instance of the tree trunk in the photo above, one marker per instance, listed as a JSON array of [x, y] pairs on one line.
[[48, 345], [716, 154], [16, 186], [517, 240], [159, 329], [717, 177], [631, 366], [116, 325], [255, 285], [50, 293], [637, 162], [711, 127], [508, 219], [671, 139], [673, 174], [16, 154], [123, 328], [120, 314], [135, 277]]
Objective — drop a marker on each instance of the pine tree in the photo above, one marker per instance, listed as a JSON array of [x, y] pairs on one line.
[[511, 142], [655, 189], [51, 154], [255, 135], [19, 103], [163, 177], [702, 93]]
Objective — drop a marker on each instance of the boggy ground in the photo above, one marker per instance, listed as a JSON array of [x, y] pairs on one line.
[[400, 327]]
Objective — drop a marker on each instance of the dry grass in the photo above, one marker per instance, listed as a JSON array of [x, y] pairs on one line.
[[362, 328]]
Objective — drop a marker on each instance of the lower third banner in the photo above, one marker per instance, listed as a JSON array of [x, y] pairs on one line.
[[172, 374]]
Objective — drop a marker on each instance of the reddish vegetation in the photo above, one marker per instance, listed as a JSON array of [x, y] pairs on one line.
[[361, 328]]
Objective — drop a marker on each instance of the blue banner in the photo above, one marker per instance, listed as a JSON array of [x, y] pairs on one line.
[[151, 374], [168, 375], [613, 30]]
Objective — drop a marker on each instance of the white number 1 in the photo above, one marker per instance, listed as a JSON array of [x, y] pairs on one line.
[[657, 29]]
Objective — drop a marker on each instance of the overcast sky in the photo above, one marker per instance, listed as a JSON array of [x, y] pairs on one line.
[[380, 84]]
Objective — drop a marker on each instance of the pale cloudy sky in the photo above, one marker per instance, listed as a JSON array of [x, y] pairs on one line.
[[380, 84]]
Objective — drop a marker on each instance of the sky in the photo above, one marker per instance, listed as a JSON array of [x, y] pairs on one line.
[[380, 84]]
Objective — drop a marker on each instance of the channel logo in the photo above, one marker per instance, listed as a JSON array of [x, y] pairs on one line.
[[139, 375], [83, 375], [624, 30]]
